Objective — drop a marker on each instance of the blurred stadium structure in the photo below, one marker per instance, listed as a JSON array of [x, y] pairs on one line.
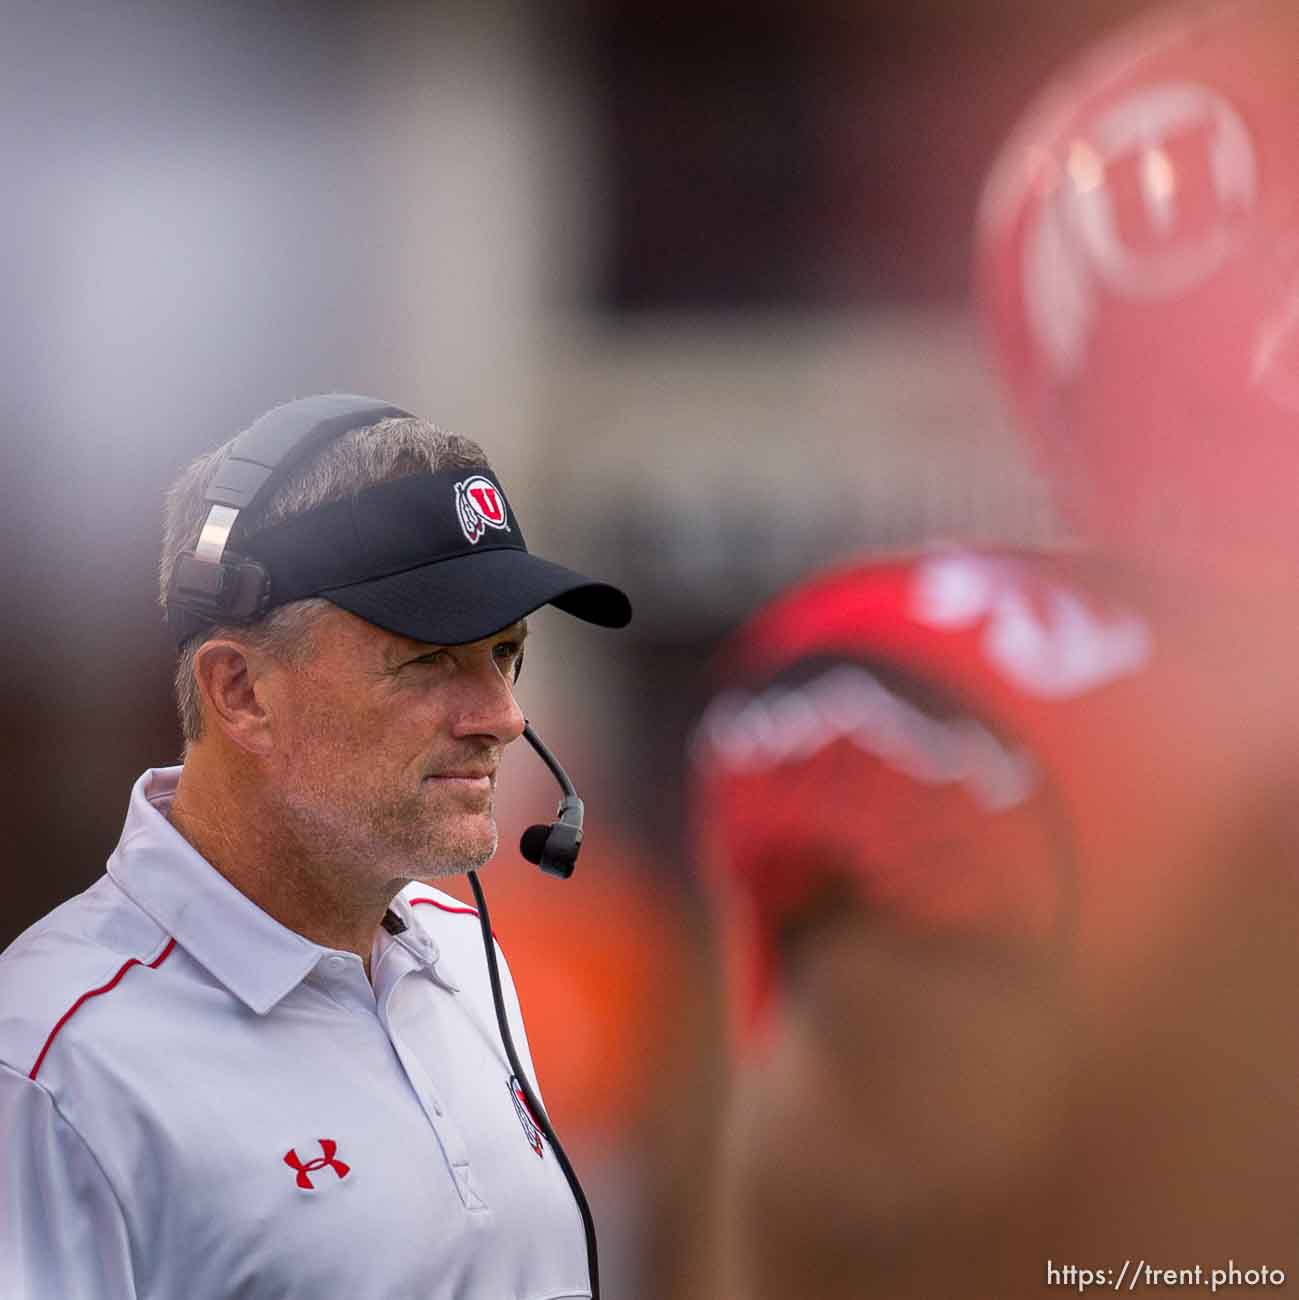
[[694, 274]]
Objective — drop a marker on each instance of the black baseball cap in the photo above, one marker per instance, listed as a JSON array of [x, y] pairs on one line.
[[436, 557], [439, 558]]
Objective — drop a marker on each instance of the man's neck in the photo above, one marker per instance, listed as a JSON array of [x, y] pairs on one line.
[[227, 819]]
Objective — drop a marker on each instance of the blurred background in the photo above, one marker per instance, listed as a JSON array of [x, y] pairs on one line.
[[695, 275]]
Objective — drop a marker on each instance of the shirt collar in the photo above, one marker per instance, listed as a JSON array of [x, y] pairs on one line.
[[249, 951], [423, 950]]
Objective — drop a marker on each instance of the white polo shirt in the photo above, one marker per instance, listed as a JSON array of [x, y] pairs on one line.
[[196, 1102]]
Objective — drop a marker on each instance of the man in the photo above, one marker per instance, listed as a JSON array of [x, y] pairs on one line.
[[964, 814], [259, 1056]]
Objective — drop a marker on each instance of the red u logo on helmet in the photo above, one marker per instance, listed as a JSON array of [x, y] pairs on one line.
[[1148, 202]]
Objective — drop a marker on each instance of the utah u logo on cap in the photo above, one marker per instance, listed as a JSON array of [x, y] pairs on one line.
[[480, 506]]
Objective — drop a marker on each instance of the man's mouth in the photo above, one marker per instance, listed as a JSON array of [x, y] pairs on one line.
[[469, 778]]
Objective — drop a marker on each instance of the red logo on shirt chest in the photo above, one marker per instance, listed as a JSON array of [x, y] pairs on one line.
[[326, 1161]]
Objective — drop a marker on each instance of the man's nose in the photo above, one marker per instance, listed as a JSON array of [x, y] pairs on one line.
[[490, 708]]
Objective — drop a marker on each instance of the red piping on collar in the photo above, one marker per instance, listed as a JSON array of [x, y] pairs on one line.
[[443, 907]]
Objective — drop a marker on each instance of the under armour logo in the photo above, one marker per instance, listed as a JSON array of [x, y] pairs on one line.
[[326, 1161]]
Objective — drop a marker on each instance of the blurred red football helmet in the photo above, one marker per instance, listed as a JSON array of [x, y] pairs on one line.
[[980, 742], [1139, 269]]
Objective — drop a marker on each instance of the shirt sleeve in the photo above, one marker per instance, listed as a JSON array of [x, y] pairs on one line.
[[62, 1232]]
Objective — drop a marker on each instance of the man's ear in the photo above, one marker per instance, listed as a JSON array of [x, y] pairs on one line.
[[228, 674]]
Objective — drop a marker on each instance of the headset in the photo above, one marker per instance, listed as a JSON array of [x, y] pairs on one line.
[[213, 585]]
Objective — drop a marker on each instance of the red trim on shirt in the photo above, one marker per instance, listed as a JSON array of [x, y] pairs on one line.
[[94, 993], [467, 911], [443, 907]]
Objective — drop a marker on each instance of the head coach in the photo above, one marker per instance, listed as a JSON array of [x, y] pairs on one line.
[[260, 1056]]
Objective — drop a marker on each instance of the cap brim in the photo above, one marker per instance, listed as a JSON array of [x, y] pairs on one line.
[[467, 597]]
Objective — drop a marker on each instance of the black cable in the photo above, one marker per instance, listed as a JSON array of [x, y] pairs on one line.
[[538, 1111], [549, 759]]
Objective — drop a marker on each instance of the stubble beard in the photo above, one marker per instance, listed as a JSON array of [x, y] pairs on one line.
[[456, 864], [424, 848], [395, 838]]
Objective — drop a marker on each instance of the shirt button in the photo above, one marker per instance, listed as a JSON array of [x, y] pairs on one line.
[[335, 964]]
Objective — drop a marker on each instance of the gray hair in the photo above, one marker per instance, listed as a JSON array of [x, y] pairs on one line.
[[357, 460]]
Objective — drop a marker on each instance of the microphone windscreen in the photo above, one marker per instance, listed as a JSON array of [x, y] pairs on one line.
[[532, 844]]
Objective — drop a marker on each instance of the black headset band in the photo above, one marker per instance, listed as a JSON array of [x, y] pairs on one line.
[[286, 435]]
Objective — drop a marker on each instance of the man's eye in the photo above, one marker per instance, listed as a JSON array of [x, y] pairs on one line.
[[434, 657], [509, 654]]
